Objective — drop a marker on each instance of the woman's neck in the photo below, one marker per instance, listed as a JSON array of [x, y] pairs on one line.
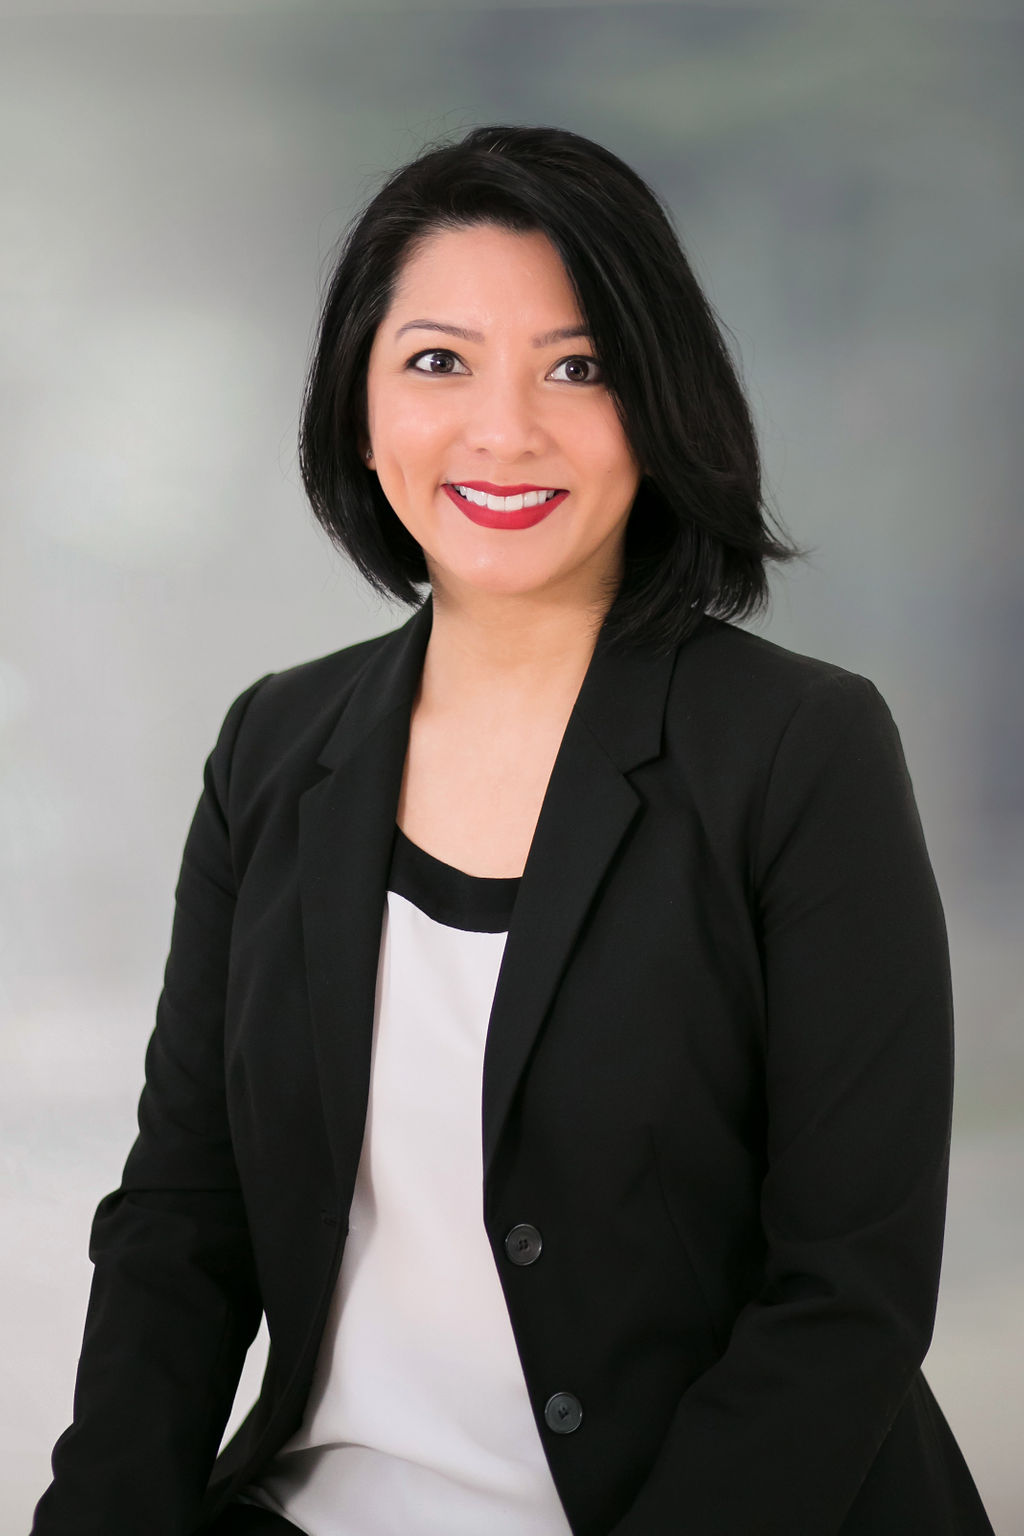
[[512, 654]]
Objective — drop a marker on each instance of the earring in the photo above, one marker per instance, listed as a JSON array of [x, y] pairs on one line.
[[369, 455]]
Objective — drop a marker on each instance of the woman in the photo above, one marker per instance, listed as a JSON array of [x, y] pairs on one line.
[[555, 1040]]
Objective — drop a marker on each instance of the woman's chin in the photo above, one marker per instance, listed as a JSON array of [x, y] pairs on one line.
[[494, 576]]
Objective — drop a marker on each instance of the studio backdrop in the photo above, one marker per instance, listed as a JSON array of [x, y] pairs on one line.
[[848, 184]]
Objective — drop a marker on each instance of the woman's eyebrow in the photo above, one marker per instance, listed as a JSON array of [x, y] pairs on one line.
[[563, 333]]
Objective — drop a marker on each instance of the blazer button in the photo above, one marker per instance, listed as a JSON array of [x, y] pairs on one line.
[[563, 1413], [523, 1244]]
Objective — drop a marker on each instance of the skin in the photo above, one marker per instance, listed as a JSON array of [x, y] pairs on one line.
[[516, 612]]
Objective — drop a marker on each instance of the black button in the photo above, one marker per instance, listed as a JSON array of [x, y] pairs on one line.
[[563, 1413], [523, 1244]]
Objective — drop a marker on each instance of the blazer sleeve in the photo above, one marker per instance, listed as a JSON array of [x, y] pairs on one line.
[[174, 1302], [777, 1436]]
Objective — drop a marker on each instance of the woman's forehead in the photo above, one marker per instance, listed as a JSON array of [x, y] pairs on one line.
[[486, 272]]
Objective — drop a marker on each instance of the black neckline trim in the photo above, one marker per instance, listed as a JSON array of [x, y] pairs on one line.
[[475, 903]]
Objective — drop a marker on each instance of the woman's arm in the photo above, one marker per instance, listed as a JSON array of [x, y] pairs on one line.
[[174, 1302], [776, 1438]]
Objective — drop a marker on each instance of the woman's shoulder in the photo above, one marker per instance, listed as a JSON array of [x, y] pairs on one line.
[[736, 669], [287, 716], [761, 735], [322, 682], [719, 648], [731, 685]]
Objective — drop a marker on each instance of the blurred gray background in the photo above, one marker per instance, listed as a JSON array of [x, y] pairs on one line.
[[848, 183]]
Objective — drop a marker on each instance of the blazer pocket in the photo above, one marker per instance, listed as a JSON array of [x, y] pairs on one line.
[[680, 1244]]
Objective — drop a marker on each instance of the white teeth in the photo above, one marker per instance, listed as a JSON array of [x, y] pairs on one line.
[[505, 503]]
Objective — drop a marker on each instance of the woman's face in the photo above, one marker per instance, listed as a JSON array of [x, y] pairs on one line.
[[468, 385]]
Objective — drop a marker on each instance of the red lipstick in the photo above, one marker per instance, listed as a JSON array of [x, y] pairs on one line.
[[526, 517]]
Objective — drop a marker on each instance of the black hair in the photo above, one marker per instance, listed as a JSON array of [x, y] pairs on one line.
[[698, 536]]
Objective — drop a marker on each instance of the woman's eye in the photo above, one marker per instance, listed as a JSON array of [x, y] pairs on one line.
[[436, 352], [587, 364]]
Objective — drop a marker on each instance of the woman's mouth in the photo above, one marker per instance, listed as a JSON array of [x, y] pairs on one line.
[[519, 511]]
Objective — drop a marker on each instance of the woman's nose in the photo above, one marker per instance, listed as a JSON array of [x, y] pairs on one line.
[[505, 418]]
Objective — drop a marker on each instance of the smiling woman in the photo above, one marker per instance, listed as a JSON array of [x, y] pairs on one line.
[[555, 1043], [509, 400], [514, 256]]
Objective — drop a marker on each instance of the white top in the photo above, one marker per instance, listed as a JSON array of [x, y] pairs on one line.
[[418, 1421]]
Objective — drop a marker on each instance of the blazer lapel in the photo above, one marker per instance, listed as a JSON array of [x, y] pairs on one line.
[[346, 830], [615, 725]]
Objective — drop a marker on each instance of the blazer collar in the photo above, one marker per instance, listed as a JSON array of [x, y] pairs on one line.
[[346, 830], [621, 699]]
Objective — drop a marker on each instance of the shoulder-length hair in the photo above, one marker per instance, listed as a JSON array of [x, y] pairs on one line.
[[698, 536]]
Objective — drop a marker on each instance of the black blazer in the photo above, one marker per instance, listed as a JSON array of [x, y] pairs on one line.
[[717, 1079]]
